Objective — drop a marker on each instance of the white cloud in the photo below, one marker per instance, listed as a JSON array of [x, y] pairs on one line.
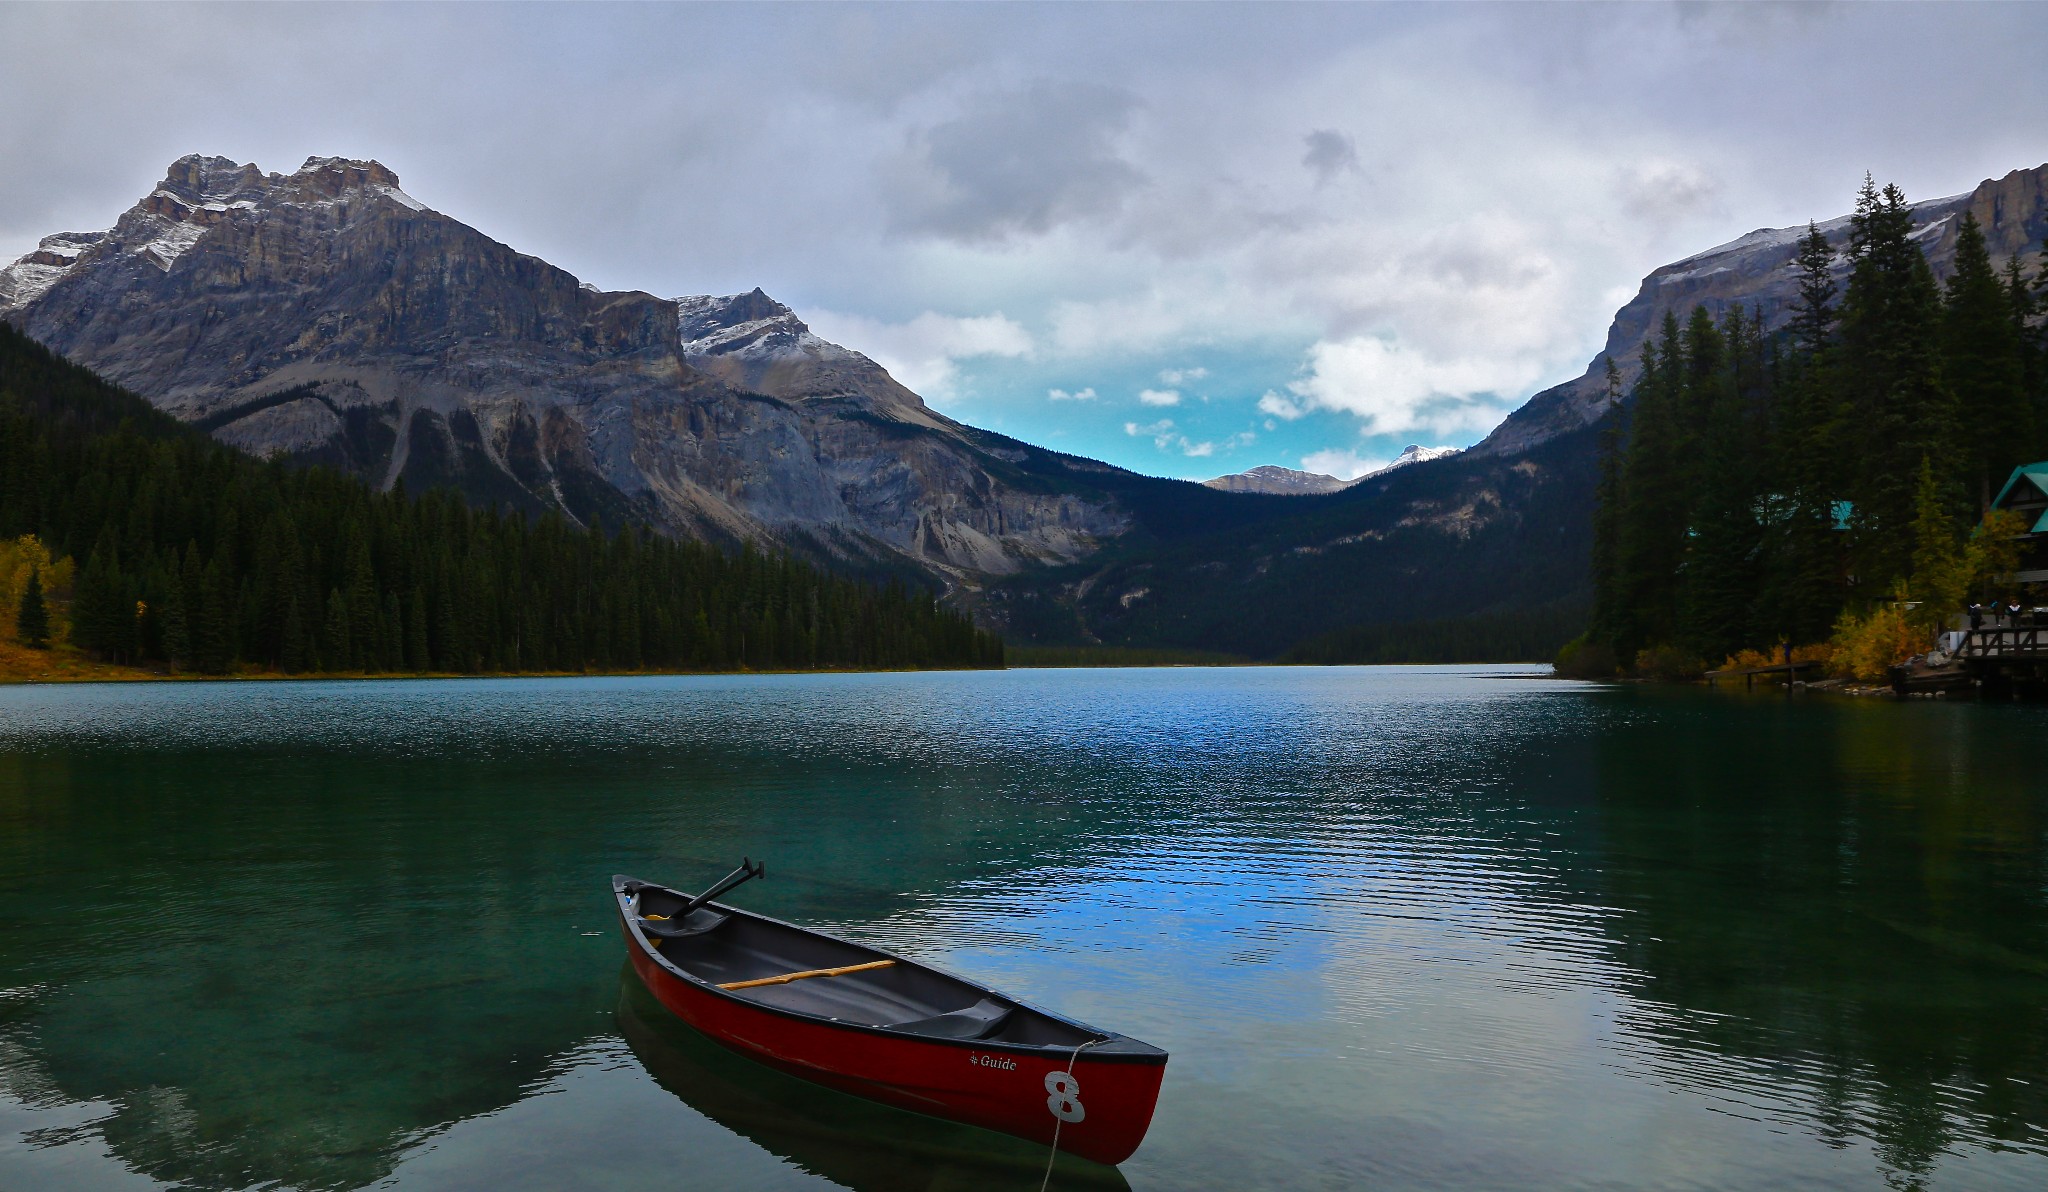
[[1076, 395], [924, 353], [1481, 186], [1344, 465], [1394, 389], [1159, 397], [1280, 406], [1181, 376], [1167, 438]]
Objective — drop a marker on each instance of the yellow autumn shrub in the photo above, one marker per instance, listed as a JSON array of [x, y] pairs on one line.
[[19, 557], [1865, 647]]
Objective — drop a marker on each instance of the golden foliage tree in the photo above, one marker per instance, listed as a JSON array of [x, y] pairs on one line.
[[25, 556]]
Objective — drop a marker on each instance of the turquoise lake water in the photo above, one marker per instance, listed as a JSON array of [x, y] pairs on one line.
[[1401, 928]]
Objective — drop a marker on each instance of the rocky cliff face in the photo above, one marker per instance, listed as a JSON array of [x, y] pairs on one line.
[[326, 316], [1759, 270]]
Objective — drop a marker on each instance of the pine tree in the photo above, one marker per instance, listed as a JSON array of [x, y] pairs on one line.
[[417, 656], [32, 622], [98, 601], [366, 642], [1898, 409], [337, 651], [1812, 325], [1651, 533], [391, 635], [177, 631], [2021, 307], [1721, 577], [1940, 577], [1608, 504], [213, 649], [1981, 362], [294, 656]]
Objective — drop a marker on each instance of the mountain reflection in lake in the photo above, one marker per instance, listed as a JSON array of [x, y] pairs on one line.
[[1400, 927]]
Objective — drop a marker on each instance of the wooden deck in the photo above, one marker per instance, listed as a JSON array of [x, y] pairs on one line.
[[1748, 674]]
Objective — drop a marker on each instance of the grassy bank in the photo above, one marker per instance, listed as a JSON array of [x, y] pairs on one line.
[[61, 664]]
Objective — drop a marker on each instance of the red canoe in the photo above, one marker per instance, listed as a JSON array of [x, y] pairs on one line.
[[888, 1028]]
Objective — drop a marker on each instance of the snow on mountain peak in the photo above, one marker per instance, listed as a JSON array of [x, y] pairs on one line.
[[750, 326], [26, 280], [1416, 453], [197, 193]]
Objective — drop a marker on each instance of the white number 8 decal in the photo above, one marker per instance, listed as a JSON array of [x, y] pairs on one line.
[[1063, 1096]]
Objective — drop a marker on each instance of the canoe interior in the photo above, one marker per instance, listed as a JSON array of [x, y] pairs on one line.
[[728, 945]]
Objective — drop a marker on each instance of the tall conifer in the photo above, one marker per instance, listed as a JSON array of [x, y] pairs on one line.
[[1981, 362], [1898, 410], [32, 621]]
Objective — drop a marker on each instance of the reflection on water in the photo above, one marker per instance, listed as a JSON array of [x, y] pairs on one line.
[[1860, 942], [1399, 927]]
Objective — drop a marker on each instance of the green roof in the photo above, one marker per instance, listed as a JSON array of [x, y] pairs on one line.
[[2035, 474]]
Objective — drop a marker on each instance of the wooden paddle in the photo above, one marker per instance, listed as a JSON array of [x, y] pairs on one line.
[[807, 974]]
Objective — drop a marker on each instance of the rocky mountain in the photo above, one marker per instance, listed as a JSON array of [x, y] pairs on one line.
[[1758, 270], [1500, 529], [1279, 481], [1413, 453], [1287, 482], [1461, 537], [325, 316]]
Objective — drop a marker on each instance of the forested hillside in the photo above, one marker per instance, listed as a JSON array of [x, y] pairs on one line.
[[1783, 489], [1480, 540], [192, 555]]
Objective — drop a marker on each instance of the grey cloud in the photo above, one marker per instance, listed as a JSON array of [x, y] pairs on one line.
[[879, 64], [883, 161], [1754, 20], [1664, 193], [1330, 153], [1020, 162]]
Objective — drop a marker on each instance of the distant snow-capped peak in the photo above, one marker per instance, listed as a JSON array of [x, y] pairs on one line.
[[1413, 453], [1269, 478]]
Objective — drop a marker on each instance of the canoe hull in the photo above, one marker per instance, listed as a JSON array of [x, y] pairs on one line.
[[996, 1086]]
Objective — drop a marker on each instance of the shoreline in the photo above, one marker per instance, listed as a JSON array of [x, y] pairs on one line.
[[75, 670], [81, 671]]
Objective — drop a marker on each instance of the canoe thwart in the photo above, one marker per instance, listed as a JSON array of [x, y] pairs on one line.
[[807, 974]]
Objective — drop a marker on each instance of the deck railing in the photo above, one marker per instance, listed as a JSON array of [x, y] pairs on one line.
[[2022, 636]]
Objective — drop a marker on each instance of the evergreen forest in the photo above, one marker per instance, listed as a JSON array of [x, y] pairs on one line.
[[1799, 487], [142, 542]]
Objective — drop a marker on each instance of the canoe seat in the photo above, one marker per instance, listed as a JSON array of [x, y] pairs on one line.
[[699, 922], [978, 1021]]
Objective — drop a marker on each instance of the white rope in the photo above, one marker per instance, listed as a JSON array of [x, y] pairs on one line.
[[1057, 1120]]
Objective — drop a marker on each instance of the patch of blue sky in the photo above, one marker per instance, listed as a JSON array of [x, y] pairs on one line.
[[1191, 415]]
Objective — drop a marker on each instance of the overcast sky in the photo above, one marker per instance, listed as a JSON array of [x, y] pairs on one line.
[[1187, 239]]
